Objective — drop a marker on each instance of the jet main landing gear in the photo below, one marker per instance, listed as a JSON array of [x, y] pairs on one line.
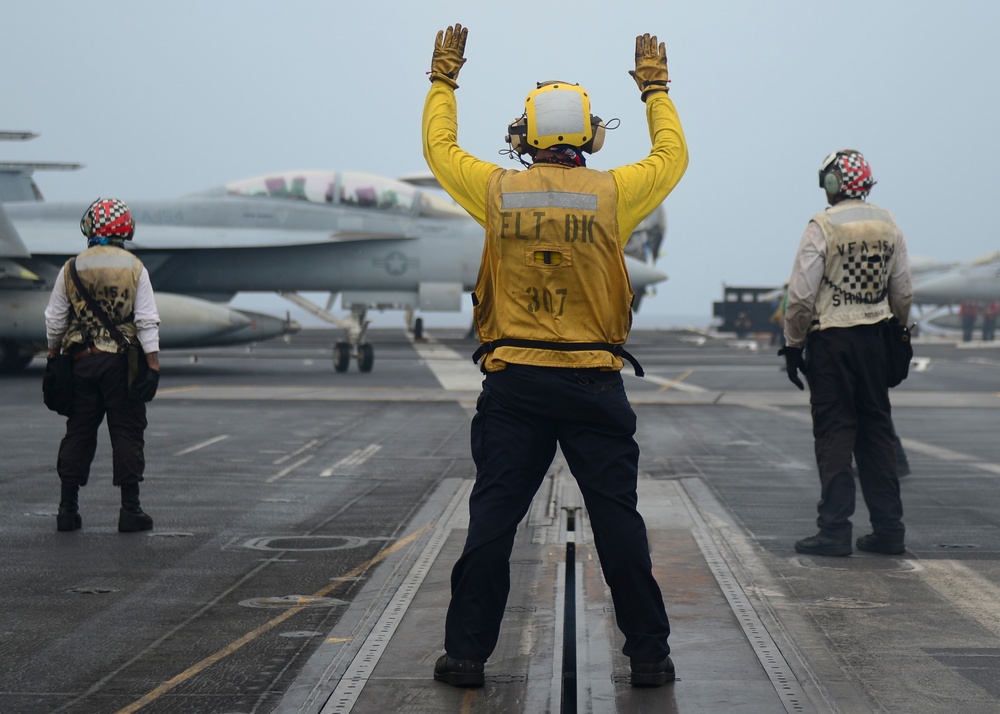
[[15, 357]]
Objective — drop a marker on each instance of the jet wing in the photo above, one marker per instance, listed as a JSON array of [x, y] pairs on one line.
[[54, 237]]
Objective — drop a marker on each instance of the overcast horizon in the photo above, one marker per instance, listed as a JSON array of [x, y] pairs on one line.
[[161, 100]]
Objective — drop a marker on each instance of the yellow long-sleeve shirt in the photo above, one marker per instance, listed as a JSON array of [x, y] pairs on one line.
[[641, 186]]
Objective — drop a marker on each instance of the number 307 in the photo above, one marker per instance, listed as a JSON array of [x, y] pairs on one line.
[[546, 300]]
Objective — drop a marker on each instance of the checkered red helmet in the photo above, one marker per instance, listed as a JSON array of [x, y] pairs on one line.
[[108, 218], [848, 173]]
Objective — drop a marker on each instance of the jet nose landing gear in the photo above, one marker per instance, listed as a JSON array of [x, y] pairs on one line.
[[366, 357], [355, 325], [342, 354]]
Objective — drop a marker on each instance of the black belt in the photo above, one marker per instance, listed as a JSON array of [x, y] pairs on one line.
[[617, 350]]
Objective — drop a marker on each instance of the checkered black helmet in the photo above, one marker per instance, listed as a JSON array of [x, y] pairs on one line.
[[108, 218], [846, 173]]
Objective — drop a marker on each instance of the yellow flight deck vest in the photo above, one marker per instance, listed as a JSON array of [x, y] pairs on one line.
[[553, 289], [861, 244], [111, 275]]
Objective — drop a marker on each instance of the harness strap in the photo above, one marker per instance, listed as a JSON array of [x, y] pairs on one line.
[[98, 311], [617, 350]]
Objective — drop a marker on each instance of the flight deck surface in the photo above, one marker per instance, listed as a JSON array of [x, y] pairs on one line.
[[306, 523]]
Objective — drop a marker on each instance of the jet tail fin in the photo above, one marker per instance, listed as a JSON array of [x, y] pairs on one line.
[[16, 183], [422, 181], [645, 241]]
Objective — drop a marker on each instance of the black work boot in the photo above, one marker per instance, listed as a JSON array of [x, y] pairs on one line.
[[68, 518], [873, 543], [820, 544], [459, 672], [652, 674], [131, 518]]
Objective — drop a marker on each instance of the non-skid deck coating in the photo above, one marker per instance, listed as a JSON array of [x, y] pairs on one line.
[[307, 522], [723, 650]]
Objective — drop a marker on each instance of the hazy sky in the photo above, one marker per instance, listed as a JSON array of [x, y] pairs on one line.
[[161, 99]]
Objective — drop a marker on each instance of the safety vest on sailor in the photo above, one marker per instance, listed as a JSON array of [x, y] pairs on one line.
[[861, 244], [111, 275], [553, 268]]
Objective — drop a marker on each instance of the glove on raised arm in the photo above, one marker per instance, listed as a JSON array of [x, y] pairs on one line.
[[650, 72], [449, 54], [794, 364]]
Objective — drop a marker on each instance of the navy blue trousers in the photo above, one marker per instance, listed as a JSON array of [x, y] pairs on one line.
[[521, 414], [852, 415]]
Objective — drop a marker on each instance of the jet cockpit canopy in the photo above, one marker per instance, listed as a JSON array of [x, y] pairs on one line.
[[346, 189]]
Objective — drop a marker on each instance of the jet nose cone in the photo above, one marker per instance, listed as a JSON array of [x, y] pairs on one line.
[[642, 275]]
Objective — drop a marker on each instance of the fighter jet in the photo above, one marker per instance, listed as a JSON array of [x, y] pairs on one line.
[[186, 321], [24, 293], [938, 287], [377, 242], [978, 280]]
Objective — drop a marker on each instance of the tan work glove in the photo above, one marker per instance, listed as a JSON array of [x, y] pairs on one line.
[[449, 51], [650, 71]]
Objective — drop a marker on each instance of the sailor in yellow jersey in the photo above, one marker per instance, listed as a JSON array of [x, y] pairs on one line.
[[552, 308]]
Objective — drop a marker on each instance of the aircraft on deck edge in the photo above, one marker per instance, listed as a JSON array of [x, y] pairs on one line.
[[938, 287], [377, 242]]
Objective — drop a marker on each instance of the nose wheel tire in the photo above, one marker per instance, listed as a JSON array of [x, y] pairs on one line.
[[341, 356], [366, 357]]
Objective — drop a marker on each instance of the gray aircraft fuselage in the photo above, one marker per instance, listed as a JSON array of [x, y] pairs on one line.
[[980, 283], [216, 246], [229, 245]]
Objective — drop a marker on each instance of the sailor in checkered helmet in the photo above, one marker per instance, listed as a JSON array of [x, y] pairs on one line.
[[101, 309], [851, 276]]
